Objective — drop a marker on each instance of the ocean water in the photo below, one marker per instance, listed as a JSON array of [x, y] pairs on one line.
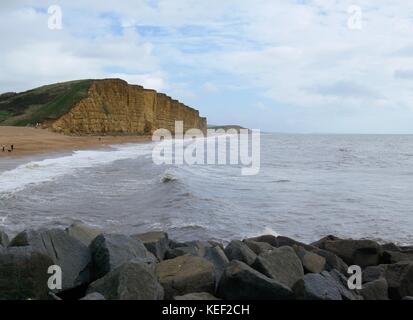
[[309, 186]]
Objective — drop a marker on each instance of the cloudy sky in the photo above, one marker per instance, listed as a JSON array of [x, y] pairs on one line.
[[278, 65]]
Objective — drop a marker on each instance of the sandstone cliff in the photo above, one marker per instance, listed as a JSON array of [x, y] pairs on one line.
[[109, 106]]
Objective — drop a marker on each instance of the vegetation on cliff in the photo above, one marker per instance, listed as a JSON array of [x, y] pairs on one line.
[[46, 103]]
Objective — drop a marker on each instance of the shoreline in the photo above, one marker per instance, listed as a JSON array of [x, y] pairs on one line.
[[28, 141]]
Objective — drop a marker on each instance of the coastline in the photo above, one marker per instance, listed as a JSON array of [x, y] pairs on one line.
[[28, 141]]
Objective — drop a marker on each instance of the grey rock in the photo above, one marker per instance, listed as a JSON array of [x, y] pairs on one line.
[[217, 257], [240, 282], [270, 239], [317, 286], [390, 257], [375, 290], [197, 296], [23, 274], [363, 253], [180, 251], [133, 280], [258, 247], [312, 262], [4, 238], [238, 250], [93, 296], [156, 242], [186, 274], [71, 255], [342, 286], [399, 277], [109, 251], [408, 298], [82, 232], [320, 243], [281, 264], [373, 273]]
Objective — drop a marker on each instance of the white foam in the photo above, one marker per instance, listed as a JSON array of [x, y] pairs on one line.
[[36, 172]]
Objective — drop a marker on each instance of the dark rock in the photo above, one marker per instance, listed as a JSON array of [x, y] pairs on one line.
[[4, 239], [23, 274], [217, 257], [317, 286], [93, 296], [216, 244], [156, 242], [375, 290], [363, 253], [83, 232], [238, 250], [180, 251], [408, 298], [109, 251], [320, 243], [270, 239], [186, 274], [240, 282], [332, 261], [281, 264], [285, 241], [342, 286], [197, 296], [258, 247], [133, 280], [373, 273], [390, 257], [71, 255], [399, 277], [312, 262]]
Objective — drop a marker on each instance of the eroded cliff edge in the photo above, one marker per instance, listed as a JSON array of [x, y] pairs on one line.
[[113, 106]]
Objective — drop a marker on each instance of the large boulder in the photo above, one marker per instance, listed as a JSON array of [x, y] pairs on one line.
[[71, 255], [281, 264], [269, 239], [258, 247], [217, 257], [390, 256], [180, 251], [375, 290], [133, 280], [363, 253], [312, 262], [23, 274], [399, 277], [156, 242], [373, 273], [4, 239], [197, 296], [317, 286], [238, 250], [93, 296], [342, 286], [240, 282], [186, 274], [82, 232], [109, 251]]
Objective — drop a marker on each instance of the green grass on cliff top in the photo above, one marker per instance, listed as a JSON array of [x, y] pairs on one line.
[[41, 104]]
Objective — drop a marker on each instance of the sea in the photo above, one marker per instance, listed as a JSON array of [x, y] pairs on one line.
[[308, 186]]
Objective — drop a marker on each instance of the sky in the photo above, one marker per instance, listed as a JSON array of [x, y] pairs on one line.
[[294, 66]]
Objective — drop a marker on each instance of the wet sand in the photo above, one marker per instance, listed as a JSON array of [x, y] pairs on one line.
[[31, 141]]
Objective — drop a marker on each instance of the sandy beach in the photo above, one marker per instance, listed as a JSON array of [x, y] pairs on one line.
[[29, 141]]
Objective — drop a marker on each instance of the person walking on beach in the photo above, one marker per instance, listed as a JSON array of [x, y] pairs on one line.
[[4, 148], [12, 147]]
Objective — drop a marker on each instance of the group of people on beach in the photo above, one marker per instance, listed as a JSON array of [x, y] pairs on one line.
[[4, 148]]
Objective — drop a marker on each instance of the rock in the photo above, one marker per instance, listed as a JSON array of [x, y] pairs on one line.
[[23, 274], [375, 290], [342, 286], [317, 286], [258, 247], [280, 264], [320, 243], [217, 257], [408, 298], [216, 244], [390, 257], [133, 280], [83, 232], [109, 251], [180, 251], [197, 296], [71, 255], [4, 238], [93, 296], [240, 282], [399, 277], [238, 250], [270, 239], [186, 274], [285, 241], [332, 261], [363, 253], [312, 263], [373, 273], [156, 242]]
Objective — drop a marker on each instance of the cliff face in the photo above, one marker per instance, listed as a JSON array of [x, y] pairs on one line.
[[112, 106]]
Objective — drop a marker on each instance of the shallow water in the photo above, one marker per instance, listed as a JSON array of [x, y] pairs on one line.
[[309, 186]]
